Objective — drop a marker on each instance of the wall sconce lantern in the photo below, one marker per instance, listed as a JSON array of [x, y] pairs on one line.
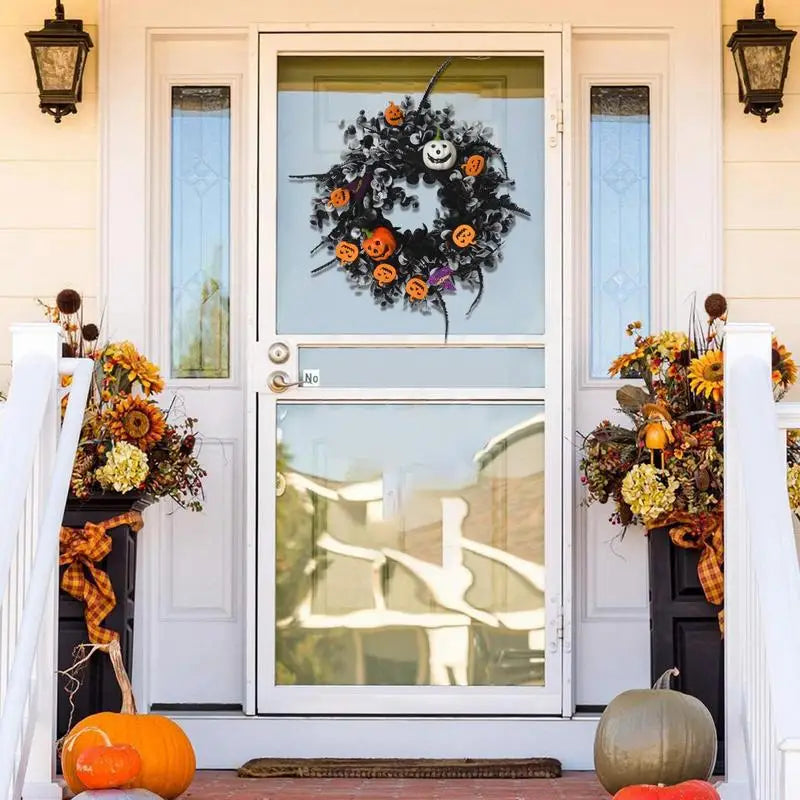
[[761, 55], [59, 53]]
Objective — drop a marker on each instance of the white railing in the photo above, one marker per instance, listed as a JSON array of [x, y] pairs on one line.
[[762, 579], [36, 456]]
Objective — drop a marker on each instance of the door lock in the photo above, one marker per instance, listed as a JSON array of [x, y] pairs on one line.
[[278, 353], [279, 382]]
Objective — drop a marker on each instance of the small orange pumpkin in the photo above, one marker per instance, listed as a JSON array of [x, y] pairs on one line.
[[689, 790], [384, 274], [340, 197], [655, 437], [417, 289], [394, 115], [346, 252], [463, 236], [108, 766], [380, 244], [474, 165]]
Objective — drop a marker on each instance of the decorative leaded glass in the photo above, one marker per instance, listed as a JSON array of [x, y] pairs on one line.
[[201, 156], [620, 219]]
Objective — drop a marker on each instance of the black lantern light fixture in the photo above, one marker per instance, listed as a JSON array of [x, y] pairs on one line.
[[59, 51], [761, 55]]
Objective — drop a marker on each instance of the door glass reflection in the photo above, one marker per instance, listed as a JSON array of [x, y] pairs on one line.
[[410, 544]]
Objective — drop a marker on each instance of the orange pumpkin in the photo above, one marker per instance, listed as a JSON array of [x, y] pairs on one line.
[[380, 244], [689, 790], [463, 236], [417, 289], [384, 274], [108, 766], [340, 197], [474, 165], [394, 115], [655, 437], [167, 756], [346, 252]]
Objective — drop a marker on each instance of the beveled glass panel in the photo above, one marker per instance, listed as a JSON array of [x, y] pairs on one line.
[[315, 94], [410, 544], [620, 219], [432, 367], [57, 66], [764, 65], [201, 191]]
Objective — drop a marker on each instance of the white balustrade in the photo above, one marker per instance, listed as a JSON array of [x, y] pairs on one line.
[[36, 455], [762, 579]]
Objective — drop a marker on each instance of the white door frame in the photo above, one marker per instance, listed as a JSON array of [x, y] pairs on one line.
[[695, 262]]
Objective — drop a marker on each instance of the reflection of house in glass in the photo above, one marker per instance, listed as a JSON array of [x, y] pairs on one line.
[[410, 585]]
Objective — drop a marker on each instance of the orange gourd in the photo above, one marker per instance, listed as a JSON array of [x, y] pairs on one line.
[[463, 235], [340, 197], [655, 437], [167, 756], [689, 790], [393, 115], [108, 766], [417, 289], [384, 274], [474, 165], [346, 252], [380, 244]]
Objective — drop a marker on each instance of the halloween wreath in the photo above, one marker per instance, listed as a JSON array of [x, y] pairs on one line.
[[400, 146]]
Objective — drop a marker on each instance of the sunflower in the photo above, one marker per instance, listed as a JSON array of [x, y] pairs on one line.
[[137, 367], [705, 375], [136, 420], [623, 361], [784, 369]]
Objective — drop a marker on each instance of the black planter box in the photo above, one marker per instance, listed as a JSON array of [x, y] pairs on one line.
[[684, 630], [99, 690]]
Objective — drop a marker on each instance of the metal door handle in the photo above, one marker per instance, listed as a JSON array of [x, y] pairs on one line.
[[279, 382]]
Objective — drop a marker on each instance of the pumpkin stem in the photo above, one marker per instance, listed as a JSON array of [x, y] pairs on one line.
[[128, 701], [665, 681]]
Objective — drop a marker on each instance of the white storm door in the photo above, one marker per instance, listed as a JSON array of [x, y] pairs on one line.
[[409, 494]]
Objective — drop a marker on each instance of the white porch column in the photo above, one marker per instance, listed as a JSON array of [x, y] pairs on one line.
[[43, 339]]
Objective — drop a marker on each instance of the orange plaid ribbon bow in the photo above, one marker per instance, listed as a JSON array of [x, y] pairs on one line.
[[702, 532], [81, 549]]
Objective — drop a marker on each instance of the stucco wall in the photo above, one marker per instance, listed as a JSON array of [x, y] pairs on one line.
[[762, 194], [48, 178]]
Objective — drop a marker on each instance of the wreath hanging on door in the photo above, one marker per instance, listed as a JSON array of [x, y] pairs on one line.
[[400, 146]]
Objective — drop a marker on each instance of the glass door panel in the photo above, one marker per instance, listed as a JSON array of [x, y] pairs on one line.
[[409, 489]]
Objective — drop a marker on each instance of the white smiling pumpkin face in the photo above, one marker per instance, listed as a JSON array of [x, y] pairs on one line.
[[439, 154]]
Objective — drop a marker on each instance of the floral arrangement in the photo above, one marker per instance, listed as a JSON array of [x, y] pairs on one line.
[[128, 442], [667, 465]]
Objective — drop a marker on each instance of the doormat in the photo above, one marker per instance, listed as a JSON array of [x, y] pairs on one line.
[[401, 768]]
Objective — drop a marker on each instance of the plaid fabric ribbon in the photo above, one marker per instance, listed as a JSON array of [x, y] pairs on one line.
[[81, 549], [701, 532]]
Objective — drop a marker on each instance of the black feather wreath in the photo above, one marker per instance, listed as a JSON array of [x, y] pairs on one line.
[[388, 153]]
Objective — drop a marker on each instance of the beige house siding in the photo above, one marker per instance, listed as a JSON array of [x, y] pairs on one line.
[[48, 178], [762, 193]]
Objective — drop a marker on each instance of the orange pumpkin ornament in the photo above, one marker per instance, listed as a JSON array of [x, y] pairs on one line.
[[474, 165], [108, 766], [384, 274], [340, 197], [167, 756], [689, 790], [380, 244], [394, 115], [655, 437], [463, 236], [417, 289], [346, 252]]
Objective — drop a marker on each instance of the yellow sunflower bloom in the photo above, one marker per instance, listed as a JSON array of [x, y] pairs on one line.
[[137, 367], [784, 368], [623, 361], [706, 375], [136, 420]]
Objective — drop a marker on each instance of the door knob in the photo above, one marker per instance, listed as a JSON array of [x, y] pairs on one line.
[[278, 353], [279, 382]]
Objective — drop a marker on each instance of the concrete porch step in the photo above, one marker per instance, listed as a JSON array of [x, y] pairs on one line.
[[219, 785]]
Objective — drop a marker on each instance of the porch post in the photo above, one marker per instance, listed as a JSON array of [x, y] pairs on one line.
[[741, 340], [43, 339]]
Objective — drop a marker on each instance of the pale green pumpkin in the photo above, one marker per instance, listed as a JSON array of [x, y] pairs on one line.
[[654, 736]]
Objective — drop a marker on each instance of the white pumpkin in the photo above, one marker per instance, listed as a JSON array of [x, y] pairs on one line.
[[116, 794], [439, 154]]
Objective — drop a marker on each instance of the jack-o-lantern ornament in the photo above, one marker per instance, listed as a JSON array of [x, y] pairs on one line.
[[394, 115], [474, 165], [439, 154], [340, 197], [346, 252], [417, 289], [384, 274], [463, 236], [380, 244]]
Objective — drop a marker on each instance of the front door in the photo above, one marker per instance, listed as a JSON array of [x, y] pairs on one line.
[[409, 488]]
